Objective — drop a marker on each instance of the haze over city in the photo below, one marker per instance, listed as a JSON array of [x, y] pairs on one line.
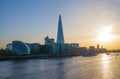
[[87, 22]]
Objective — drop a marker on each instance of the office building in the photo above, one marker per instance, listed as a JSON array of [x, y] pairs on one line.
[[60, 35], [20, 47], [49, 40]]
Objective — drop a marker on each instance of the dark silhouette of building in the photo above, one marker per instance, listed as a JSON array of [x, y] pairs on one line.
[[98, 47]]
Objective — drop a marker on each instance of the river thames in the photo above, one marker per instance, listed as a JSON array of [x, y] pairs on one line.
[[101, 66]]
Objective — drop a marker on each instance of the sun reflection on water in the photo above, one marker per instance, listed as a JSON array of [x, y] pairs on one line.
[[106, 67], [105, 57]]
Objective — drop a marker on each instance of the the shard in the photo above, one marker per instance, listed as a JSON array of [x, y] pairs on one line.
[[60, 36]]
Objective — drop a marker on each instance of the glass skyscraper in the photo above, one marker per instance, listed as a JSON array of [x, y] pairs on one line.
[[60, 36]]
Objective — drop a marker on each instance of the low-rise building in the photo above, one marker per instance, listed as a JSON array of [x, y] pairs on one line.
[[75, 45], [35, 48], [18, 47]]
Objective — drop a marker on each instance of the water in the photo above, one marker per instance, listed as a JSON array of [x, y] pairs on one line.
[[97, 67]]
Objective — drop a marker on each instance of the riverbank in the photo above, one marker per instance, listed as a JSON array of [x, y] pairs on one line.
[[2, 58]]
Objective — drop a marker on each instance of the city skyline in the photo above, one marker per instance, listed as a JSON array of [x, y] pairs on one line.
[[85, 22]]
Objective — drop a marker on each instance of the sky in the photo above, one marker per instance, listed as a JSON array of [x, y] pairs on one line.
[[87, 22]]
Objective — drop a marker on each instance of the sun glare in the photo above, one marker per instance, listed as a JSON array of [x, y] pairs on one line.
[[105, 34]]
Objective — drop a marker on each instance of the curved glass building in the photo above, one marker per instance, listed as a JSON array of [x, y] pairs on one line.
[[20, 47]]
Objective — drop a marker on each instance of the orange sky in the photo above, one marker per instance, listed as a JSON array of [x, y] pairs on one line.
[[87, 22]]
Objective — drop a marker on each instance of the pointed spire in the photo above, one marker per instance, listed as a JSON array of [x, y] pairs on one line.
[[60, 17], [60, 36]]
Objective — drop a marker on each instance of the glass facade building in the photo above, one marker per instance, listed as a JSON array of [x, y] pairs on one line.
[[20, 47], [60, 35]]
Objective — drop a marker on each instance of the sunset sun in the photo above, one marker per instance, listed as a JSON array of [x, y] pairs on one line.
[[105, 34]]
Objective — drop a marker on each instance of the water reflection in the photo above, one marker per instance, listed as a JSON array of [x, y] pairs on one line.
[[107, 74], [97, 67]]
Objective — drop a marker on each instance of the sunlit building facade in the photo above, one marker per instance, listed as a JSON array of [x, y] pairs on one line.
[[9, 47]]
